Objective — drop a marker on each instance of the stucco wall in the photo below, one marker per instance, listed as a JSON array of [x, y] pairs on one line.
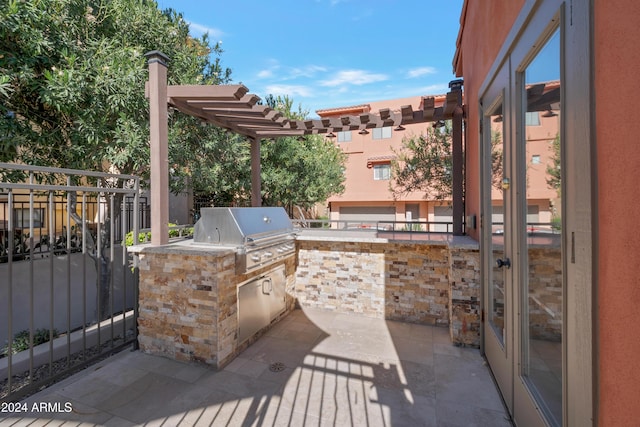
[[479, 54], [615, 33], [617, 59]]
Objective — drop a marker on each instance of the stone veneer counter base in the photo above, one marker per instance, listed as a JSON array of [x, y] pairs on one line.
[[189, 299], [189, 302], [429, 279]]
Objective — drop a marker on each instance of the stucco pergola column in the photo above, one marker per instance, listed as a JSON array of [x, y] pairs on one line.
[[158, 136], [256, 184], [458, 161]]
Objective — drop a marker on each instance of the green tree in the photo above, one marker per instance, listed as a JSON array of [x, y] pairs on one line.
[[424, 163], [72, 77], [497, 159], [299, 171], [554, 180], [218, 164]]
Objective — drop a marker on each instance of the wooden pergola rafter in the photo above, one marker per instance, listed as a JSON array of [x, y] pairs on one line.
[[232, 107]]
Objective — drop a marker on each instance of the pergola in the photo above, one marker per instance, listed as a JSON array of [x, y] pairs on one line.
[[232, 107]]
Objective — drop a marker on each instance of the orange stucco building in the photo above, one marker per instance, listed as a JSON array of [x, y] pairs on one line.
[[367, 197], [505, 49]]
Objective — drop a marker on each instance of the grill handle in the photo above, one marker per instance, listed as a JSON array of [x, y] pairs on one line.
[[253, 241]]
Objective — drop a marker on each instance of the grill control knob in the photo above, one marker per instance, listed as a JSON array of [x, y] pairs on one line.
[[255, 258]]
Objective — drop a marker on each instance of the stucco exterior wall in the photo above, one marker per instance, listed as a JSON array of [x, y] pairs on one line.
[[80, 265], [363, 152], [614, 35], [617, 59], [479, 54]]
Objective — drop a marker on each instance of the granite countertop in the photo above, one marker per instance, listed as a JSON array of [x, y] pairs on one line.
[[374, 236], [184, 246]]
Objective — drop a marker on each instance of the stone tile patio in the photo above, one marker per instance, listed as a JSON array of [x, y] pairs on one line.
[[336, 370]]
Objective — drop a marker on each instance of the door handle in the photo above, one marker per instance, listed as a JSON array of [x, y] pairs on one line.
[[503, 262], [269, 288]]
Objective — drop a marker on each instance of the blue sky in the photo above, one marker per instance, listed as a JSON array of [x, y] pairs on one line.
[[331, 53]]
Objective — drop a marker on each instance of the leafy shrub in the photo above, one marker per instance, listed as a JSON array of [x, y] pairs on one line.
[[142, 238], [146, 237], [320, 224], [21, 340], [412, 227]]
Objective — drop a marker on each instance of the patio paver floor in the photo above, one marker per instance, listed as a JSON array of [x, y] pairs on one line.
[[339, 370]]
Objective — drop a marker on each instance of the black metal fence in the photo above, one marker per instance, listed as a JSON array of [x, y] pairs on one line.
[[53, 237], [68, 294]]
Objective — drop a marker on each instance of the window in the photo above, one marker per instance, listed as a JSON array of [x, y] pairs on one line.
[[21, 218], [381, 172], [535, 159], [533, 118], [344, 136], [381, 133]]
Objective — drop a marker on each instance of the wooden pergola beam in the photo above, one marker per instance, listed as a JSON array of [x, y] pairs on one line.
[[232, 107], [450, 104], [211, 92], [247, 102]]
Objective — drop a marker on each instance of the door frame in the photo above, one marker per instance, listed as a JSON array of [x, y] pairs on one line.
[[502, 353], [579, 191]]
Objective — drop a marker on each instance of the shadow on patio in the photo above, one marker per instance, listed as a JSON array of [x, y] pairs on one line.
[[336, 370]]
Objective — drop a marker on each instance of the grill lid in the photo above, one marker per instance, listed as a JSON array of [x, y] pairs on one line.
[[241, 226]]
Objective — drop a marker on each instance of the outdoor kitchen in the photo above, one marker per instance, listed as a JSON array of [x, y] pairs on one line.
[[207, 299]]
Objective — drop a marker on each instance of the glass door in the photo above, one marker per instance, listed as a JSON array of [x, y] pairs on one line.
[[540, 329], [496, 228], [523, 278]]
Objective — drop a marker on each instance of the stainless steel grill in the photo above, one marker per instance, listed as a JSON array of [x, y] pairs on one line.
[[261, 236]]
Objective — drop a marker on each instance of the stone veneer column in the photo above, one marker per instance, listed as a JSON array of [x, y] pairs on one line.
[[464, 296], [188, 304]]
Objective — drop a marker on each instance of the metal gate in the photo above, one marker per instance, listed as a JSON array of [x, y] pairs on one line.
[[68, 294]]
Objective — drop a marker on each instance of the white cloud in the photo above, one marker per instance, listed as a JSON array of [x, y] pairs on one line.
[[354, 77], [437, 89], [199, 29], [422, 71], [402, 91], [362, 15], [271, 67], [291, 90], [306, 71], [264, 74]]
